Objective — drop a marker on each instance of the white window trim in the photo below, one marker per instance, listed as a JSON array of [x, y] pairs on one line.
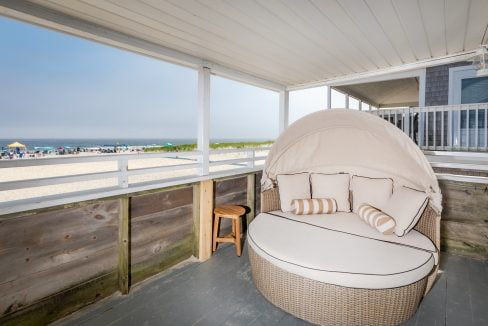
[[456, 75]]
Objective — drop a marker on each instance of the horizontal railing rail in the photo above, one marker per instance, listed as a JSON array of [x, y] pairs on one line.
[[246, 160]]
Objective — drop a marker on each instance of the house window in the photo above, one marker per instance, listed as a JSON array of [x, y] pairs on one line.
[[474, 90]]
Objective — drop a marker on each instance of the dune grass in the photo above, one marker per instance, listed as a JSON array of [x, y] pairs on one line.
[[192, 147]]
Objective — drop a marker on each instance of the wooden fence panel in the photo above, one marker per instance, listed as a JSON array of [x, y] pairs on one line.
[[464, 223], [230, 192], [161, 231], [44, 253]]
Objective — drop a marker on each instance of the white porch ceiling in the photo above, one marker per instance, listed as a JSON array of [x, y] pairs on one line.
[[386, 93], [290, 42]]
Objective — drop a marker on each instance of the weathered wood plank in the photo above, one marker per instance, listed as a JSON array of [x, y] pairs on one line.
[[153, 233], [230, 192], [464, 224], [123, 246], [167, 257], [42, 254], [161, 201], [206, 219], [251, 197], [51, 308], [464, 201]]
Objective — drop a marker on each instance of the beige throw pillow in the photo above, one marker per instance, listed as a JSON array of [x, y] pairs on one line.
[[314, 206], [406, 205], [332, 186], [377, 219], [292, 186], [373, 191]]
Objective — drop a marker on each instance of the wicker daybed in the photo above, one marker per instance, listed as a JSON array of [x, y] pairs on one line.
[[325, 269]]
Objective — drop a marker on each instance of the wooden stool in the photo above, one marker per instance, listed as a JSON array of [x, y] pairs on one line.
[[234, 213]]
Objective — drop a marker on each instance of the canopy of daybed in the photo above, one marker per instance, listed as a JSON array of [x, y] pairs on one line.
[[341, 140]]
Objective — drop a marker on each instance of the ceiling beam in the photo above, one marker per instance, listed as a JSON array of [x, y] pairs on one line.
[[39, 15]]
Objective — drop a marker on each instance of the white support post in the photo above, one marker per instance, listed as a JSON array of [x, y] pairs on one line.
[[284, 110], [360, 105], [329, 97], [347, 100], [204, 118], [422, 88]]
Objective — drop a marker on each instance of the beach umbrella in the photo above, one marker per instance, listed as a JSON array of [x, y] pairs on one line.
[[16, 145]]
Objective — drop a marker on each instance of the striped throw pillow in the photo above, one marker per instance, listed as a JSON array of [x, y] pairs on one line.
[[377, 219], [314, 206]]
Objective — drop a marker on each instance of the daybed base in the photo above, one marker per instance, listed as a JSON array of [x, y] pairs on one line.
[[327, 304]]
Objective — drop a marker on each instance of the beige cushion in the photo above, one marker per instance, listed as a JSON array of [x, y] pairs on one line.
[[332, 186], [334, 257], [373, 191], [352, 224], [406, 205], [377, 219], [314, 206], [293, 186]]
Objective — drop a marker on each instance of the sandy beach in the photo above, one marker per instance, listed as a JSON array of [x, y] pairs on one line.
[[45, 171]]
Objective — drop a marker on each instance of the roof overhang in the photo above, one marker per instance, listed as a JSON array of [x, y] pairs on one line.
[[276, 45]]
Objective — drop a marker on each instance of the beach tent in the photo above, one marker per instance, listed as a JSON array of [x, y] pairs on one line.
[[16, 145]]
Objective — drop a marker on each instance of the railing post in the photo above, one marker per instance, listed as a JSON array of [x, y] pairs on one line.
[[204, 118], [206, 204], [251, 154], [329, 97], [421, 127], [123, 166], [123, 265], [486, 128]]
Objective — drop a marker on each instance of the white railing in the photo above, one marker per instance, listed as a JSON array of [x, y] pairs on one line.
[[461, 127], [119, 174], [467, 161]]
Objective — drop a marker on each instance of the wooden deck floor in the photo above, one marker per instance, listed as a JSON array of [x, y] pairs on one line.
[[220, 292]]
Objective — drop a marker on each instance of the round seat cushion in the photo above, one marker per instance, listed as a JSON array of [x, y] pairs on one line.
[[336, 256]]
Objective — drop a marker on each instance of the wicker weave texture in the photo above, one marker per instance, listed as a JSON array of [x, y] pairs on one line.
[[327, 304], [270, 200]]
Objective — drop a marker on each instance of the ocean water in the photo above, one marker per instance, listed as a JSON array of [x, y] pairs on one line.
[[83, 143]]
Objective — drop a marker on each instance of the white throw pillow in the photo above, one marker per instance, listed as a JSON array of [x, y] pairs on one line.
[[335, 186], [372, 191], [293, 186], [406, 206]]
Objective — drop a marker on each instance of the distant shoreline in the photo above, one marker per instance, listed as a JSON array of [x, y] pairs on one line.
[[52, 151]]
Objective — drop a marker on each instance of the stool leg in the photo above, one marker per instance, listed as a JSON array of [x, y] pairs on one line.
[[215, 232], [233, 227], [238, 237]]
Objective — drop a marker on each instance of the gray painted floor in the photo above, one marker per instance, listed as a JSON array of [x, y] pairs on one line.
[[220, 292]]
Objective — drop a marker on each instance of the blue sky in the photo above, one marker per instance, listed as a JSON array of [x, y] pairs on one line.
[[55, 85]]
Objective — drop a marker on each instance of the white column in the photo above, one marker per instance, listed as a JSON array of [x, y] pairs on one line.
[[347, 100], [422, 88], [204, 118], [360, 105], [421, 118], [329, 97], [284, 110]]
